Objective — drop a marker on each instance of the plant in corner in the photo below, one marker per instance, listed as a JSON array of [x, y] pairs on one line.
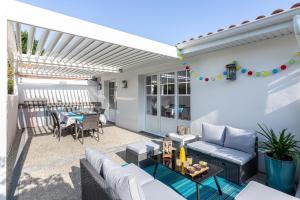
[[282, 153]]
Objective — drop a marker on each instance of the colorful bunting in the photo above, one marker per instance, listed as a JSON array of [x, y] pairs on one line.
[[242, 70]]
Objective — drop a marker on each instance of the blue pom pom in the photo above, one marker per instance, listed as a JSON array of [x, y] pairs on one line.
[[244, 70], [275, 71], [183, 63], [200, 78], [225, 73]]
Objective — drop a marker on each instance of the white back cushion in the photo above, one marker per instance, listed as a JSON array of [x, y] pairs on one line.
[[95, 158], [213, 133], [121, 183], [240, 139]]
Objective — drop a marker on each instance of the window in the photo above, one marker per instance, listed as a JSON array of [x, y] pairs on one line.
[[112, 95], [167, 88], [151, 94], [184, 91]]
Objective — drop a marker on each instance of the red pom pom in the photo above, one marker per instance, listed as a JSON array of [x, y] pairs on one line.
[[283, 67], [206, 79], [187, 67], [250, 73]]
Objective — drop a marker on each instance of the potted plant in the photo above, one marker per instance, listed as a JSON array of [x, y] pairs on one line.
[[281, 157]]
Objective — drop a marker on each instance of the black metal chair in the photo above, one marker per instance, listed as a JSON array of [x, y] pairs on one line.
[[89, 123]]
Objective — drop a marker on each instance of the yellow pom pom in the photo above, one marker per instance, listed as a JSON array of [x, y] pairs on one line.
[[180, 57], [238, 67], [266, 73], [298, 54], [219, 77]]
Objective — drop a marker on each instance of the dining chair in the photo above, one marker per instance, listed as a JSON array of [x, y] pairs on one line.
[[90, 122], [58, 126]]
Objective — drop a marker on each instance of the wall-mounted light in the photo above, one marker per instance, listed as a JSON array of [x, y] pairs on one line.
[[99, 86], [125, 84], [231, 72]]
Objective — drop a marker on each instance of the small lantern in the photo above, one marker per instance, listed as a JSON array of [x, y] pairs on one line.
[[125, 84], [231, 72]]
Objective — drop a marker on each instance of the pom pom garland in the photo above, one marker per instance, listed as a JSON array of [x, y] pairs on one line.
[[242, 70], [283, 67]]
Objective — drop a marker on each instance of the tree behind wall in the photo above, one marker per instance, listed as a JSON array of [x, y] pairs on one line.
[[24, 37], [10, 78], [10, 72]]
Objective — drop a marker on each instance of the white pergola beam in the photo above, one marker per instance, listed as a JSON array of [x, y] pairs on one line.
[[30, 40], [21, 12], [52, 44], [19, 41], [41, 43], [65, 41]]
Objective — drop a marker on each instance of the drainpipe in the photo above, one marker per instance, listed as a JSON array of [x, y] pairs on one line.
[[296, 22]]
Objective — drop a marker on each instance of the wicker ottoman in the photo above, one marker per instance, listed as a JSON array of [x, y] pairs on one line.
[[139, 152]]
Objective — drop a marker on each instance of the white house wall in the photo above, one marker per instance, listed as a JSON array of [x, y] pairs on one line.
[[274, 101], [242, 103]]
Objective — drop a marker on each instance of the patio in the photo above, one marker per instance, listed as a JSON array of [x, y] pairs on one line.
[[51, 168], [146, 91]]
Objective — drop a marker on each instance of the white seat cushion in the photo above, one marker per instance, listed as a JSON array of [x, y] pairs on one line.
[[140, 175], [203, 147], [259, 191], [156, 190], [232, 155], [181, 138], [143, 147]]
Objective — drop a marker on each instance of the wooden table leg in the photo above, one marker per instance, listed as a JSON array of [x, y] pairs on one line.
[[218, 186]]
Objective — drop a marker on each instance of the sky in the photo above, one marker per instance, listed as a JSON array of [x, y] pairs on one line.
[[167, 21]]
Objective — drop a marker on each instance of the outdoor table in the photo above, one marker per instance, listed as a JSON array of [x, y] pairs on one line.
[[70, 118]]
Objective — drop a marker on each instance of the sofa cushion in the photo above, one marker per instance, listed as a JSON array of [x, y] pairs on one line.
[[140, 175], [203, 147], [121, 183], [181, 138], [232, 155], [240, 139], [95, 158], [159, 191], [257, 191], [213, 133], [143, 147]]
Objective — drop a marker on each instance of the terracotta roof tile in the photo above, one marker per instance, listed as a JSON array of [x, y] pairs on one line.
[[245, 22], [296, 5], [277, 11], [260, 17]]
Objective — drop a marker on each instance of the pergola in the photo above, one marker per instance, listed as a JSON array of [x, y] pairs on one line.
[[72, 48]]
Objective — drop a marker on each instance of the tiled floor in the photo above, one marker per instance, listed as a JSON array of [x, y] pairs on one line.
[[50, 168]]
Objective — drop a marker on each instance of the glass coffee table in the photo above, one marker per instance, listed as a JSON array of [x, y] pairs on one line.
[[171, 164]]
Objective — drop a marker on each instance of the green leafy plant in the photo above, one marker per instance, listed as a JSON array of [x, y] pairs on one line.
[[283, 146]]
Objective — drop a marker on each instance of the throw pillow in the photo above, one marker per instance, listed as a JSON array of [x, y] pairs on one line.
[[213, 133], [240, 139]]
